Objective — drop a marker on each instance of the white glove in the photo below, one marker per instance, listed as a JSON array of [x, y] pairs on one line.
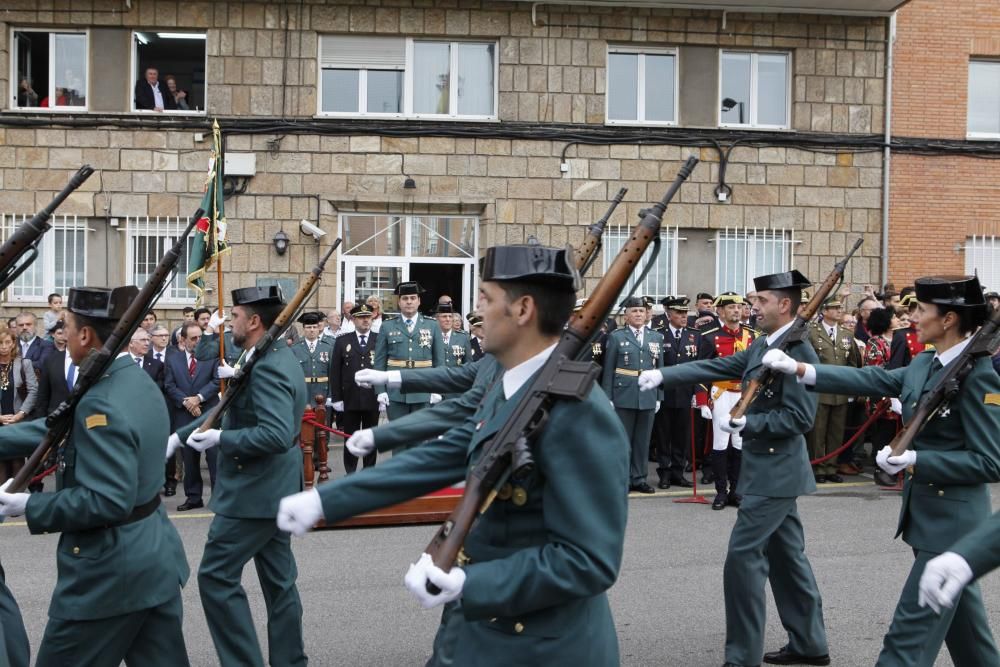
[[216, 320], [338, 406], [361, 443], [778, 361], [202, 440], [225, 371], [901, 462], [425, 570], [329, 402], [733, 426], [173, 443], [897, 407], [13, 504], [650, 380], [299, 512], [435, 398], [943, 579], [368, 377], [657, 409], [706, 412], [383, 400]]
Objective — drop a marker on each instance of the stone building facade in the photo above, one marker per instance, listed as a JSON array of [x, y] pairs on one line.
[[544, 160]]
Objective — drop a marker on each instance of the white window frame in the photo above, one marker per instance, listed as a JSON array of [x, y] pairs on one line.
[[982, 258], [670, 239], [13, 83], [969, 134], [785, 237], [134, 66], [407, 111], [166, 228], [47, 256], [642, 52], [754, 59]]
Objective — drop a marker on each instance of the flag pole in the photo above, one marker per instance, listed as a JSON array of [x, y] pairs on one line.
[[219, 164]]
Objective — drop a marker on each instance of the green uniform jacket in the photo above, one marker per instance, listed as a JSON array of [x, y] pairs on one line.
[[958, 452], [622, 351], [458, 351], [841, 352], [112, 462], [315, 366], [775, 461], [208, 348], [981, 547], [535, 589], [259, 460], [472, 380], [395, 343]]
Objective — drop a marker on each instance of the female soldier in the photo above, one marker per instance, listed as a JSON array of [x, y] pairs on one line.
[[950, 464]]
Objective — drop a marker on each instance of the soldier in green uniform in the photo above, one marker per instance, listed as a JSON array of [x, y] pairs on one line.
[[950, 464], [408, 341], [767, 542], [120, 561], [476, 336], [542, 557], [834, 345], [457, 347], [208, 346], [259, 463], [313, 355], [629, 351], [14, 649], [946, 576]]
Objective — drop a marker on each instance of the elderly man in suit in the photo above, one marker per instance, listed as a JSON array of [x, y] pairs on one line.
[[32, 347], [191, 387], [150, 95]]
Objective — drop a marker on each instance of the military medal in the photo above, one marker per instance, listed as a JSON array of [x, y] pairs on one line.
[[425, 338], [654, 350], [457, 351], [519, 496], [505, 492]]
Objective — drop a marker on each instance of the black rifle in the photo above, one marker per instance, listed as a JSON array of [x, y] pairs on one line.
[[508, 453], [96, 365], [21, 248]]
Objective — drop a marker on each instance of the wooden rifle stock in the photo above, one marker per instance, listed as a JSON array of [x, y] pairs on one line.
[[508, 453], [263, 345], [798, 331], [97, 362], [984, 343], [587, 252], [24, 240]]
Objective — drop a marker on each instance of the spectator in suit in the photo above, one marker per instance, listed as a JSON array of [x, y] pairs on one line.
[[18, 391], [358, 406], [175, 335], [58, 375], [138, 348], [191, 387], [32, 347], [151, 95], [159, 343]]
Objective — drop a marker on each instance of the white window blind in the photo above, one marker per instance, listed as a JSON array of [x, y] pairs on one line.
[[355, 52], [61, 261], [982, 258]]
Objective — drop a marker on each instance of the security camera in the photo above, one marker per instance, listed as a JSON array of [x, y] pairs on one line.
[[311, 229]]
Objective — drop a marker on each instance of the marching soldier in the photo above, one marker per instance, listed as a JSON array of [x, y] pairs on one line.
[[259, 462], [727, 447], [949, 466], [905, 345], [629, 351], [208, 346], [476, 336], [408, 341], [14, 648], [672, 425], [353, 352], [457, 349], [120, 560], [833, 345], [767, 543], [313, 355]]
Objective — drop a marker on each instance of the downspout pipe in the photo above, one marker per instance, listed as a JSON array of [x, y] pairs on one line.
[[887, 150]]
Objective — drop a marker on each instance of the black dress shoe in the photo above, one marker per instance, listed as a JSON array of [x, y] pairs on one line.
[[190, 505], [787, 657], [681, 482], [664, 484], [642, 488], [733, 500], [820, 479], [169, 491], [835, 479], [720, 501]]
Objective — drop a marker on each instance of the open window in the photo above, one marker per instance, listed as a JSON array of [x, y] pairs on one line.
[[168, 72], [49, 70]]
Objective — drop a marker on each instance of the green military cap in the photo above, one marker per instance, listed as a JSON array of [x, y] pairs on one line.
[[634, 302], [270, 294], [102, 303], [727, 298], [832, 302], [676, 303]]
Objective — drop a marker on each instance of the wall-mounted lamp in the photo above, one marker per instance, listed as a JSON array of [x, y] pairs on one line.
[[409, 183], [280, 242]]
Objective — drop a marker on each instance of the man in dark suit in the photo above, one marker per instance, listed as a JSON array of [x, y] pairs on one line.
[[358, 406], [138, 349], [55, 382], [152, 96], [191, 388], [32, 347]]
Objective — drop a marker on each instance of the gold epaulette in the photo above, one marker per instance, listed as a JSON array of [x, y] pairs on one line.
[[708, 331]]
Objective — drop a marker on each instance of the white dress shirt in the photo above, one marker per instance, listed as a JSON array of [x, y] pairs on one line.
[[517, 376]]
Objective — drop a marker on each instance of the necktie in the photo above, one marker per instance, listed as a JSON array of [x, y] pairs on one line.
[[138, 360], [409, 325], [191, 366], [936, 365], [638, 336], [364, 343], [157, 355], [71, 376], [677, 335]]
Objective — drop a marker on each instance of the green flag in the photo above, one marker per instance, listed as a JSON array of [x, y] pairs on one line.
[[210, 232]]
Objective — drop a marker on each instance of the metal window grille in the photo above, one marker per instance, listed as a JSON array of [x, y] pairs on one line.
[[662, 278], [61, 262], [742, 254], [147, 240], [982, 258]]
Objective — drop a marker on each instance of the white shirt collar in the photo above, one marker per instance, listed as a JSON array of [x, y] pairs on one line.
[[779, 333], [25, 345], [517, 376], [952, 353]]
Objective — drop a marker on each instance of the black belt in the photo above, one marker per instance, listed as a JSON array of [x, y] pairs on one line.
[[138, 513]]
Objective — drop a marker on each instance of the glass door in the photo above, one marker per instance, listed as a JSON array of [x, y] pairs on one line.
[[363, 279]]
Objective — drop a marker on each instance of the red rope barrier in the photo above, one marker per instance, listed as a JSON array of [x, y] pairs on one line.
[[879, 411], [326, 428], [42, 475]]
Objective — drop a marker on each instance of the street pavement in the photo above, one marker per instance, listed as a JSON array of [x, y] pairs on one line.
[[667, 602]]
